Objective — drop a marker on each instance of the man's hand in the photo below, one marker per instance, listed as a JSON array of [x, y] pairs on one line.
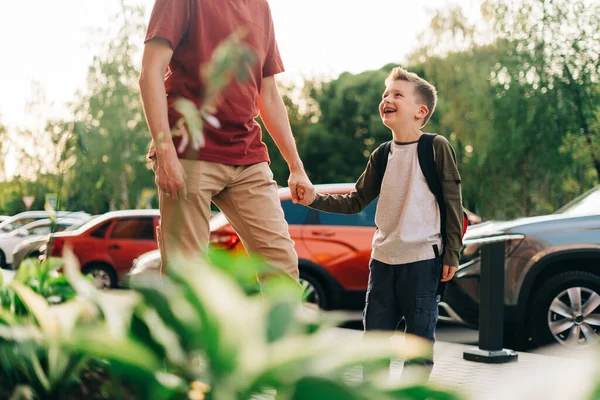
[[448, 272], [306, 194], [169, 175], [298, 177]]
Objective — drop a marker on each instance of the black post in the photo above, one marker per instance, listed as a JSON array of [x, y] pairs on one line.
[[491, 308]]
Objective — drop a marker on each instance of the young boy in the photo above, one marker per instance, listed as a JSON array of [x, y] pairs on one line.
[[409, 256]]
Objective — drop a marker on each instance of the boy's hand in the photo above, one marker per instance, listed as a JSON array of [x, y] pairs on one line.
[[448, 272]]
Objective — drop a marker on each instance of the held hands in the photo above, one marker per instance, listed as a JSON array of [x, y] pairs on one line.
[[448, 272], [306, 194], [300, 186]]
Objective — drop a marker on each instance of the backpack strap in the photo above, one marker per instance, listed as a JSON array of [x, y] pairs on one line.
[[427, 164], [381, 160]]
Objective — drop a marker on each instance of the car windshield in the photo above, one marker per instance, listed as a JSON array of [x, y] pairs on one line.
[[586, 204]]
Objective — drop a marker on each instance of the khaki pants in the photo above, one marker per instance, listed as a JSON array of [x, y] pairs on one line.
[[248, 197]]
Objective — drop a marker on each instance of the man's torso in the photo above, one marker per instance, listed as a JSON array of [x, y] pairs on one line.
[[208, 23]]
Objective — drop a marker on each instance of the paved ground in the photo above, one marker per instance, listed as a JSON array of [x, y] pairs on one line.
[[533, 376], [6, 274]]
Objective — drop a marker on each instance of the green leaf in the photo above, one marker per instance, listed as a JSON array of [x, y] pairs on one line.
[[292, 358], [420, 392], [117, 307], [6, 317], [242, 268], [21, 333], [38, 306], [279, 320], [314, 388], [193, 119], [130, 356], [224, 312], [174, 309], [27, 270], [53, 263], [164, 336]]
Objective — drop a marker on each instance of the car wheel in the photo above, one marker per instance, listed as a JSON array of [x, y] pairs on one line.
[[104, 276], [567, 310], [2, 259], [313, 290]]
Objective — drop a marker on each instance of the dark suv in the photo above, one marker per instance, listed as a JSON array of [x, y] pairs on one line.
[[552, 276]]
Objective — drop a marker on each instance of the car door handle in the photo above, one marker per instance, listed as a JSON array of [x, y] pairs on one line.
[[323, 233], [114, 247]]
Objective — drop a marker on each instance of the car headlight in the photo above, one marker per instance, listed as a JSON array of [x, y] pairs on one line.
[[472, 247]]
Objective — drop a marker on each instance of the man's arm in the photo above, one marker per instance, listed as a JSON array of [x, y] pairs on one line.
[[155, 61], [274, 115], [447, 170]]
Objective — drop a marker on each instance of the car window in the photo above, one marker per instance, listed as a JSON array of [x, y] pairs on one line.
[[40, 230], [133, 228], [100, 232], [365, 218], [62, 227], [22, 222], [295, 214], [586, 204]]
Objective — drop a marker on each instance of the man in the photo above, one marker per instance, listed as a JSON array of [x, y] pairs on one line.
[[232, 168]]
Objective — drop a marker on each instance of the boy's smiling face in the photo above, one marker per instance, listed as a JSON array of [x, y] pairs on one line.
[[400, 106]]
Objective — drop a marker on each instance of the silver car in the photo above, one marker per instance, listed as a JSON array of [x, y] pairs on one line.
[[552, 276], [27, 217], [30, 247]]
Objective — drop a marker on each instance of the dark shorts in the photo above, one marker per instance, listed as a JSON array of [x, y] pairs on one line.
[[406, 291]]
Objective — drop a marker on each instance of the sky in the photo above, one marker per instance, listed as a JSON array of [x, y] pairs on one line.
[[47, 45]]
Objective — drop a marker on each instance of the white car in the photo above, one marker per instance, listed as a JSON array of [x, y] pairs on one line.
[[145, 266], [43, 227], [27, 217]]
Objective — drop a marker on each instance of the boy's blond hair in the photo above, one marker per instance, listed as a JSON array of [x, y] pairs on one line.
[[424, 90]]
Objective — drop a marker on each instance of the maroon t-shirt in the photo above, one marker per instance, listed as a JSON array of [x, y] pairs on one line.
[[195, 28]]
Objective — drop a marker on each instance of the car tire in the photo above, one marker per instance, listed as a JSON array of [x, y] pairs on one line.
[[104, 276], [2, 260], [314, 290], [570, 326]]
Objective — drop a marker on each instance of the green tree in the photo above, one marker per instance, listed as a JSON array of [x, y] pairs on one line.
[[505, 108], [561, 37], [336, 148], [107, 166], [4, 147], [14, 191], [301, 111]]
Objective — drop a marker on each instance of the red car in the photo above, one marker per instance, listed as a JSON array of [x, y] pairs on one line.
[[107, 245], [333, 249]]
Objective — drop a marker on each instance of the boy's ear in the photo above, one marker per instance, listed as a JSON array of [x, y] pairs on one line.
[[422, 112]]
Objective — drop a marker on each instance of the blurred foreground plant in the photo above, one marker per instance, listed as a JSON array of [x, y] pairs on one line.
[[199, 325]]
